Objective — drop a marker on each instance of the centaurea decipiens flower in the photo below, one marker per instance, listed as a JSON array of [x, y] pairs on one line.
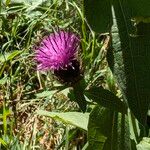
[[58, 52]]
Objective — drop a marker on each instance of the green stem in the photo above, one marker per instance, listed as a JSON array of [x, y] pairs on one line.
[[93, 47], [134, 125], [67, 139], [0, 6]]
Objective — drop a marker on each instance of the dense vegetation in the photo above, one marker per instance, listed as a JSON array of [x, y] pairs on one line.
[[24, 90], [39, 111]]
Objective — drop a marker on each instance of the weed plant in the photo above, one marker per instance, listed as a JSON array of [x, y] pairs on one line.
[[24, 90]]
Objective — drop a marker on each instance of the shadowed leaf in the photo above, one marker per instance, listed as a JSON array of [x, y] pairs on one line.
[[98, 14], [131, 60], [106, 98]]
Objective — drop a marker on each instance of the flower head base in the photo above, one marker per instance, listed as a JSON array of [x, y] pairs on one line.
[[57, 51]]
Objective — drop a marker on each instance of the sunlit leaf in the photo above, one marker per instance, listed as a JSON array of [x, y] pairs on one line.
[[144, 144], [8, 56], [3, 142], [73, 118]]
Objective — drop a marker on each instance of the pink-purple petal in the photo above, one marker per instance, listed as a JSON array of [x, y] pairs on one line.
[[57, 51]]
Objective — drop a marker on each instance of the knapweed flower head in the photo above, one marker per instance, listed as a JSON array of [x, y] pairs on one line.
[[57, 51]]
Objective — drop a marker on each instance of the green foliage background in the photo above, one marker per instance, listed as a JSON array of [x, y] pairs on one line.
[[37, 112], [128, 56]]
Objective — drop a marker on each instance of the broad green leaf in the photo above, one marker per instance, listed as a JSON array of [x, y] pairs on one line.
[[99, 127], [77, 119], [106, 98], [108, 130], [144, 144], [140, 7], [131, 60], [98, 14], [120, 133]]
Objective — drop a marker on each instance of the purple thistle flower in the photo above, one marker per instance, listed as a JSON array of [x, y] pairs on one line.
[[57, 51]]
